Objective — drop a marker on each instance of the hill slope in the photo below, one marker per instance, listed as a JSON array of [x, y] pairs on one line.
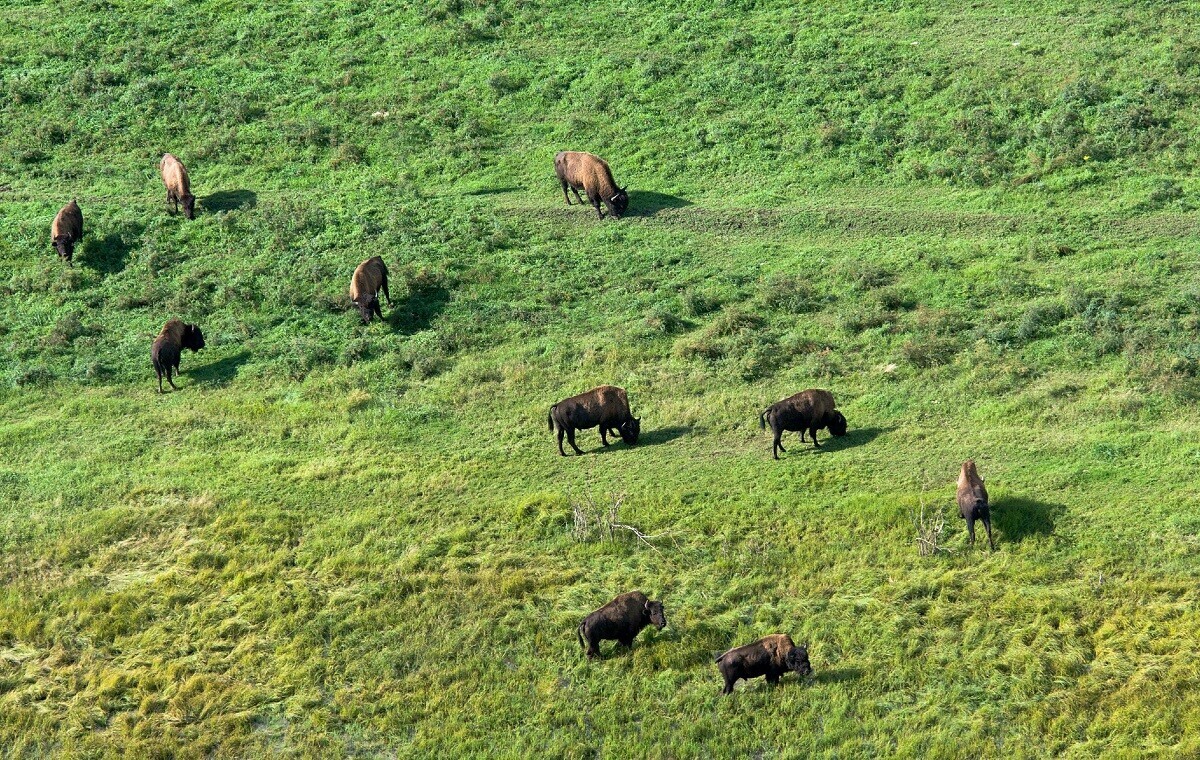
[[977, 228]]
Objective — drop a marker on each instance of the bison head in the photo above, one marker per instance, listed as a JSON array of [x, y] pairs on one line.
[[619, 202], [367, 307], [630, 430], [797, 661], [193, 338], [189, 206], [836, 422], [64, 245], [654, 610]]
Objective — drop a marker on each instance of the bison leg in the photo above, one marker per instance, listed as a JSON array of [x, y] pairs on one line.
[[169, 380], [593, 650], [383, 286], [171, 197], [777, 446], [578, 197], [729, 682], [987, 524], [971, 529], [813, 432], [158, 372], [571, 440], [603, 435], [561, 453], [596, 203], [773, 678], [566, 197]]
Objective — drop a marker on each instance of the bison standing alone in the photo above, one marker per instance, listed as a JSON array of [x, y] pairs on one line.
[[770, 656], [809, 410], [622, 619], [370, 278], [578, 170], [973, 501], [179, 187], [66, 230], [606, 407], [168, 346]]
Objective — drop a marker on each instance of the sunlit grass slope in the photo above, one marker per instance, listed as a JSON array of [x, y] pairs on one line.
[[977, 227]]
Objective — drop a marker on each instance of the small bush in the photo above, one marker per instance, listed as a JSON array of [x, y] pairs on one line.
[[505, 81], [697, 303], [734, 321], [35, 375], [425, 355], [930, 533], [865, 275], [347, 154], [793, 294], [1038, 318], [864, 316], [662, 320], [1165, 191], [895, 298], [66, 330], [929, 351]]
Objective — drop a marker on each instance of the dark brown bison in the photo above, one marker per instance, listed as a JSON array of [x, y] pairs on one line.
[[66, 230], [973, 501], [622, 619], [169, 344], [179, 187], [370, 278], [770, 656], [606, 407], [583, 171], [809, 410]]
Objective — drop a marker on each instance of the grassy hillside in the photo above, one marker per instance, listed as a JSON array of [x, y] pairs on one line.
[[977, 227]]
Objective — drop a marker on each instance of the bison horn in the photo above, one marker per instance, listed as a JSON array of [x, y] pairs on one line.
[[614, 198]]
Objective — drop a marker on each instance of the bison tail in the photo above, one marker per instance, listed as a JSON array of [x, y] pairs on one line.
[[550, 418], [579, 634], [762, 420]]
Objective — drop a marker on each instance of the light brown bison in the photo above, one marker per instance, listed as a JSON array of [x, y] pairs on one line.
[[179, 187], [809, 410], [622, 619], [168, 346], [606, 407], [973, 501], [583, 171], [370, 278], [770, 656], [66, 230]]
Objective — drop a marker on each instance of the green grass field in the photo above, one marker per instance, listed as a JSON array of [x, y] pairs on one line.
[[977, 227]]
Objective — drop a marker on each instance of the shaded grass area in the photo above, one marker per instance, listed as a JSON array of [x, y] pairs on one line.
[[977, 227]]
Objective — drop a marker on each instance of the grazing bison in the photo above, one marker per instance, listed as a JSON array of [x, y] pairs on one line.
[[622, 619], [66, 230], [973, 501], [809, 410], [770, 656], [179, 187], [175, 337], [606, 407], [370, 277], [578, 170]]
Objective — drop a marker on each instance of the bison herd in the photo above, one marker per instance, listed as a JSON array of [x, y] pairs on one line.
[[606, 407], [623, 618]]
